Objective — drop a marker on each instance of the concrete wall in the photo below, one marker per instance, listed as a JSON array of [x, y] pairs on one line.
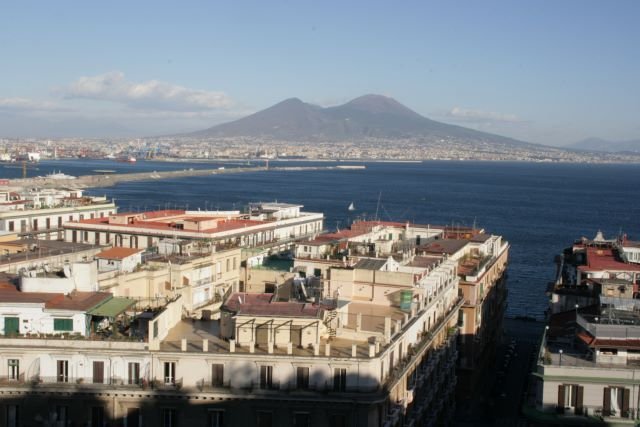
[[34, 320]]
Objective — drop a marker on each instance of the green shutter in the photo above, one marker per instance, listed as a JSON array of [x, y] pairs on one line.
[[11, 325], [63, 325]]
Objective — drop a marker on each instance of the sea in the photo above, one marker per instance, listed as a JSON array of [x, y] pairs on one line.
[[540, 208]]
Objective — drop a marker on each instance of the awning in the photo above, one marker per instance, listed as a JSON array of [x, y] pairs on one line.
[[112, 307]]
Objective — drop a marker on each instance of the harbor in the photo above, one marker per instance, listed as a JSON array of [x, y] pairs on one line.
[[106, 178]]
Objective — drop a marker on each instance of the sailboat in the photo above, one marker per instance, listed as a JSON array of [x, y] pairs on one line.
[[351, 207]]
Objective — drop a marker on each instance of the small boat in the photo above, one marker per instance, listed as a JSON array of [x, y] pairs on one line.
[[352, 207], [59, 175], [127, 159]]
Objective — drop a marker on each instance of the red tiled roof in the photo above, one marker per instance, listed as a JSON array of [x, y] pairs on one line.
[[605, 259], [222, 224], [261, 305], [75, 301], [118, 253]]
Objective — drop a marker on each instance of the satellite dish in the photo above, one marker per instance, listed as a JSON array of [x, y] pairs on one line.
[[67, 271]]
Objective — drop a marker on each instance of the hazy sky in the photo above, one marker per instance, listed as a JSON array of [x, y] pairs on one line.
[[543, 71]]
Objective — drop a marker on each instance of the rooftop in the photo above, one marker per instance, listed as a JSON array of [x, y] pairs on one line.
[[244, 304], [118, 253], [444, 246], [606, 259], [74, 301]]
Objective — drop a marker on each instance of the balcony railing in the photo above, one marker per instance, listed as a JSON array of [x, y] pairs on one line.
[[78, 382], [606, 330]]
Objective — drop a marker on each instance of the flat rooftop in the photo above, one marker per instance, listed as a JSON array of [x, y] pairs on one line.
[[45, 249]]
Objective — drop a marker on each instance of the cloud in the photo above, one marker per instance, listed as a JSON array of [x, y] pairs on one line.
[[150, 95], [28, 105], [479, 116]]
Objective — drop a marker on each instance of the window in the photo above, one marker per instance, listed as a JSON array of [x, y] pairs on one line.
[[23, 225], [317, 272], [63, 325], [169, 372], [301, 419], [11, 325], [339, 379], [228, 264], [133, 373], [302, 378], [615, 401], [35, 225], [234, 263], [217, 375], [13, 369], [61, 415], [48, 223], [63, 371], [338, 420], [133, 418], [98, 372], [155, 329], [59, 222], [11, 226], [266, 377], [570, 397], [169, 417], [97, 416], [13, 418], [265, 419], [215, 418]]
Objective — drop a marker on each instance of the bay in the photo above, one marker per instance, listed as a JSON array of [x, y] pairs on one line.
[[540, 208]]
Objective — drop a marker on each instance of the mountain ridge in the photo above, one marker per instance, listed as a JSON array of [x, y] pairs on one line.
[[365, 117], [607, 146]]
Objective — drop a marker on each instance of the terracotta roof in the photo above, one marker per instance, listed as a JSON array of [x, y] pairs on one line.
[[443, 246], [605, 259], [261, 305], [424, 261], [75, 301], [235, 300], [118, 253], [169, 225]]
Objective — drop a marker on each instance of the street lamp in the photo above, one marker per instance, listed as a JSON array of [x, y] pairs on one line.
[[577, 312], [560, 351]]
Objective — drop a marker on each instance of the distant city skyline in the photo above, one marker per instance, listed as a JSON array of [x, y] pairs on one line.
[[545, 72]]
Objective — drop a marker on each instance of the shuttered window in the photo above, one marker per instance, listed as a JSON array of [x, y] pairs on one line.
[[63, 324], [217, 375]]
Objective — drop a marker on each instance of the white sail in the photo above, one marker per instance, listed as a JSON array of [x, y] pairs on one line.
[[352, 207]]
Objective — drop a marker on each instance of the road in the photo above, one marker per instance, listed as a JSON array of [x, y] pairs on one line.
[[499, 402]]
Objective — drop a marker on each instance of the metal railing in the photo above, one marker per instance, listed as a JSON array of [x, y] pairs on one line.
[[612, 331]]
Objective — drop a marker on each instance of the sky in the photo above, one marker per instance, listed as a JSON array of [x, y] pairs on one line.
[[550, 72]]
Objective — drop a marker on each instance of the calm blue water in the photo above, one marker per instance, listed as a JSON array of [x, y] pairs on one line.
[[540, 208]]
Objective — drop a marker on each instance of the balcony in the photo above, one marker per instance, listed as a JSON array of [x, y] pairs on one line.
[[626, 327], [75, 382]]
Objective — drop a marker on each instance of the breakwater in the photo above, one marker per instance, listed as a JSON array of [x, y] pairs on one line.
[[110, 179]]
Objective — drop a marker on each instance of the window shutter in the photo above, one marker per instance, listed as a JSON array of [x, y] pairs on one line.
[[560, 396], [607, 401], [625, 401], [579, 399]]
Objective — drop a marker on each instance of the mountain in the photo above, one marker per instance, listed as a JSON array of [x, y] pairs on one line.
[[599, 144], [369, 116]]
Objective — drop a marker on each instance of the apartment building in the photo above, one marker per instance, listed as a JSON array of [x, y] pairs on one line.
[[589, 358], [375, 345], [266, 224], [41, 213], [482, 262]]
